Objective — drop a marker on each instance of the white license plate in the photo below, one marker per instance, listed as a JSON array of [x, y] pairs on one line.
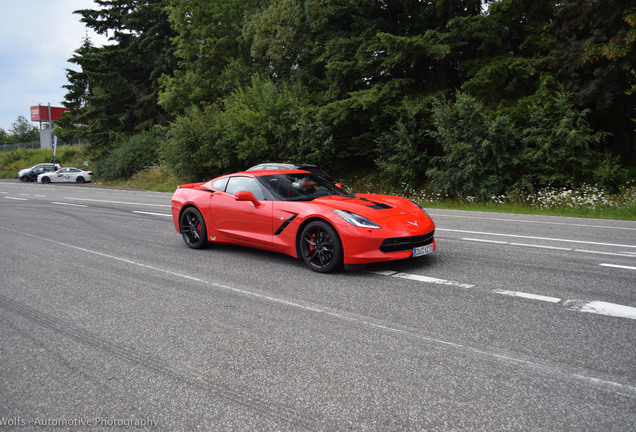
[[422, 250]]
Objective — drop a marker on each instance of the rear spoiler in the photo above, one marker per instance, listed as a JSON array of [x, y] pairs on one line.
[[190, 185]]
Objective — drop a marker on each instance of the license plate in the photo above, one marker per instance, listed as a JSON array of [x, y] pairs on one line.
[[422, 250]]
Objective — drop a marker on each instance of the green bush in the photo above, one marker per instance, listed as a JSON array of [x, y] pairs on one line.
[[559, 145], [609, 174], [399, 156], [480, 156], [257, 123], [136, 153]]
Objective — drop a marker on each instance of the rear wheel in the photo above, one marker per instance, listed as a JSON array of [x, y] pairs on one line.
[[80, 179], [320, 247], [192, 227]]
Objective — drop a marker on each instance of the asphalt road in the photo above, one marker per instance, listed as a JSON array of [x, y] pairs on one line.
[[107, 320]]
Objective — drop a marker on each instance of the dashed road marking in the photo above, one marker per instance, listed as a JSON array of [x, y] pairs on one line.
[[619, 266], [537, 238], [501, 242], [67, 204], [421, 278], [602, 308], [117, 202], [528, 296], [152, 213], [597, 307]]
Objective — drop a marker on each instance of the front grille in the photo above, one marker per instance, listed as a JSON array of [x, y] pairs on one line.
[[399, 244]]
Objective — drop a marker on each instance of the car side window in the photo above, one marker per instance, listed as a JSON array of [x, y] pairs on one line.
[[237, 184], [220, 184]]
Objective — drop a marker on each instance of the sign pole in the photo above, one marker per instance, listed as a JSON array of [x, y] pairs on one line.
[[54, 150]]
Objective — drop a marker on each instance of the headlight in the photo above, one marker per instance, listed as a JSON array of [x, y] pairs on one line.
[[356, 220], [422, 208]]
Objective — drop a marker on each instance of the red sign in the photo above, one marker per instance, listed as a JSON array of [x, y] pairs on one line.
[[41, 113]]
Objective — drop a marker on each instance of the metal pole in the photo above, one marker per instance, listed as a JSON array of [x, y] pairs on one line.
[[51, 133]]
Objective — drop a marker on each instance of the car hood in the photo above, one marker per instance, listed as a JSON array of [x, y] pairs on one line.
[[374, 207]]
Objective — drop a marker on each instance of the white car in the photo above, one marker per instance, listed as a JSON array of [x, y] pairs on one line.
[[66, 175]]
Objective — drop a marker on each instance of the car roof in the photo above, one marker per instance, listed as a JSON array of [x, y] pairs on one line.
[[266, 172], [279, 165]]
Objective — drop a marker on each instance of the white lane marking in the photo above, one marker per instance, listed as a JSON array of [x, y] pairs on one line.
[[602, 308], [422, 278], [536, 238], [541, 246], [529, 296], [619, 266], [118, 202], [153, 214], [623, 254], [532, 221], [555, 369], [485, 241], [68, 204], [17, 199], [604, 253], [598, 307]]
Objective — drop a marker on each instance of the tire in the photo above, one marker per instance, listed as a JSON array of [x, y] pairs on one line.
[[46, 180], [80, 179], [192, 228], [320, 247]]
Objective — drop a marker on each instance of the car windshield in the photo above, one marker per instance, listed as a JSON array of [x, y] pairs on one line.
[[299, 186]]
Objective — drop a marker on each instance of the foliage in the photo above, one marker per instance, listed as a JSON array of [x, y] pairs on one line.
[[212, 58], [20, 131], [400, 153], [544, 89], [480, 154], [13, 161], [154, 178], [134, 154], [115, 93], [248, 126], [559, 144]]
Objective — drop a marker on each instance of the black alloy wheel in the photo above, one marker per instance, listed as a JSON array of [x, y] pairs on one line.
[[80, 179], [192, 227], [46, 180], [320, 247]]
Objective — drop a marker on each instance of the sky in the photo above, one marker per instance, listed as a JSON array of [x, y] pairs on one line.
[[37, 37]]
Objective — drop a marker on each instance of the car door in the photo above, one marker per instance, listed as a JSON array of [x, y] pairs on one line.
[[71, 174], [245, 222], [59, 175]]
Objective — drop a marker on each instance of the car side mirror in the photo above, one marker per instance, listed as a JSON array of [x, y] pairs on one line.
[[247, 196]]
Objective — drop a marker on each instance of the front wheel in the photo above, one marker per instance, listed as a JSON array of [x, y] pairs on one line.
[[46, 180], [320, 247], [192, 227]]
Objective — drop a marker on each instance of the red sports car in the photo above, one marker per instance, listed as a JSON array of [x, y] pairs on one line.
[[303, 215]]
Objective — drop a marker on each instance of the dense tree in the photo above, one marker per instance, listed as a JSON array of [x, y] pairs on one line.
[[212, 58], [116, 91], [536, 92], [595, 53], [20, 131]]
